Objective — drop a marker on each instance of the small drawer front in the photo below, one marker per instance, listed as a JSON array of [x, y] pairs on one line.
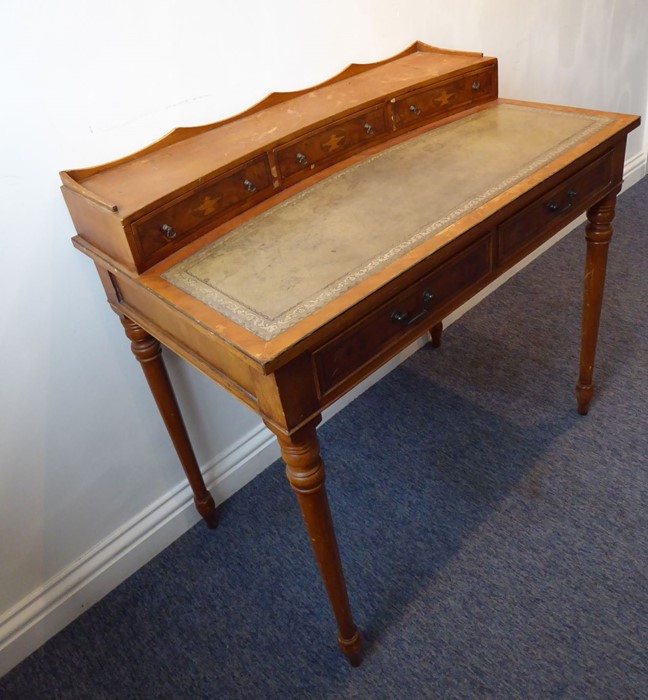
[[431, 102], [555, 209], [405, 316], [205, 206], [331, 143]]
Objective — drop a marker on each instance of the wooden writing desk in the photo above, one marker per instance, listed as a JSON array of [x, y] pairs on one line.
[[290, 251]]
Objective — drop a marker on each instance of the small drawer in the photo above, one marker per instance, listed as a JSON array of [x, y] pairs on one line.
[[434, 102], [160, 231], [549, 213], [403, 317], [330, 144]]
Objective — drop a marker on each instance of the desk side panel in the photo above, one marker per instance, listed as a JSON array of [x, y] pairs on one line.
[[201, 348], [99, 226]]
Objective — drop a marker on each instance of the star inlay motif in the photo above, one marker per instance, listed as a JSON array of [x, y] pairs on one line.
[[207, 206], [444, 98], [334, 141]]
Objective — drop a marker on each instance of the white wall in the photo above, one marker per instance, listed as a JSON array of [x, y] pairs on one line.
[[88, 479]]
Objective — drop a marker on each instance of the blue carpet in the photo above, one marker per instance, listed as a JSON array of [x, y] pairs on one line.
[[494, 541]]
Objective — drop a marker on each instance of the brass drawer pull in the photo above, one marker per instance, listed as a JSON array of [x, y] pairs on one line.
[[402, 318], [414, 109], [249, 186], [169, 232], [301, 159], [555, 207]]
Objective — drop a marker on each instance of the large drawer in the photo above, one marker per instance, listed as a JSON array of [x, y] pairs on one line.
[[430, 102], [405, 316], [330, 144], [553, 210], [160, 231]]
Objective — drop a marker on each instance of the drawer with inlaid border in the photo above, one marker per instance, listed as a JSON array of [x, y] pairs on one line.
[[159, 232], [553, 210], [430, 102], [330, 143], [405, 316]]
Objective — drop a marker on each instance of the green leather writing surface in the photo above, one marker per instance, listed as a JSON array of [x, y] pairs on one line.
[[277, 268]]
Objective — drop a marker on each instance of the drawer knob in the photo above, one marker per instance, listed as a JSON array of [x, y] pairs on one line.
[[476, 85], [554, 207], [301, 159], [402, 318], [249, 186], [414, 109], [169, 232], [369, 129]]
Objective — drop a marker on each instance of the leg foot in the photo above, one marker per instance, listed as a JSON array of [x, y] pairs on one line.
[[435, 334], [583, 398], [148, 352], [207, 510], [352, 648]]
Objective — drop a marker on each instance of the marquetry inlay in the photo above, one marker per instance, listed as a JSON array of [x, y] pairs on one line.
[[334, 142], [444, 98], [207, 206]]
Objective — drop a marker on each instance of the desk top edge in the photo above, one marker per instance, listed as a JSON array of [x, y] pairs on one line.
[[269, 352]]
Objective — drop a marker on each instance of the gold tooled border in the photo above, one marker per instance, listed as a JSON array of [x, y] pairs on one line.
[[266, 327]]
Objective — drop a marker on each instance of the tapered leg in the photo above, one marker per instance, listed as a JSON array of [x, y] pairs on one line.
[[305, 471], [598, 234], [148, 352]]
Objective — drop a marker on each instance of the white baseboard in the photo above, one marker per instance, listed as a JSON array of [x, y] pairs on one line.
[[52, 606], [634, 169]]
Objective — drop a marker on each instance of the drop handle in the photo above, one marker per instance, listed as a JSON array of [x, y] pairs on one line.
[[402, 318], [369, 130], [414, 109], [554, 207], [249, 186], [301, 159], [476, 85]]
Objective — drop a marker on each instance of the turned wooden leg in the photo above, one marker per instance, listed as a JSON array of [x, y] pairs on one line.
[[305, 471], [435, 334], [148, 352], [597, 234]]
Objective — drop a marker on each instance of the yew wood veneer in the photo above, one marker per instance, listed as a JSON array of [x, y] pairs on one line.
[[291, 250]]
